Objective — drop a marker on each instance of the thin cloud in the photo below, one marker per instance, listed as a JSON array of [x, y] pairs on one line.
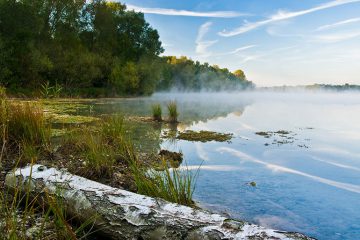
[[283, 15], [337, 24], [240, 49], [277, 168], [235, 51], [201, 44], [252, 57], [333, 38], [176, 12]]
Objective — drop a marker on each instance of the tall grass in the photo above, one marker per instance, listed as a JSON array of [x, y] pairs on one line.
[[102, 147], [26, 122], [2, 92], [173, 185], [157, 112], [24, 215], [23, 128], [173, 112]]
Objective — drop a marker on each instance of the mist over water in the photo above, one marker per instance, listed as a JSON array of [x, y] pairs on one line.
[[307, 175], [307, 180]]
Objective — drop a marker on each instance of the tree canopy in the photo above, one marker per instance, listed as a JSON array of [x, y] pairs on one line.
[[91, 48], [185, 74]]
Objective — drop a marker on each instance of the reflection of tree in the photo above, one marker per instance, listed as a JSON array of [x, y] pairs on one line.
[[193, 108]]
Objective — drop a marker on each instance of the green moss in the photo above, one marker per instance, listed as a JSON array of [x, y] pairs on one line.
[[204, 136]]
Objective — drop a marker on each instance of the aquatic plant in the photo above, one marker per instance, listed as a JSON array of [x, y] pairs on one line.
[[204, 136], [173, 112], [157, 112], [264, 134], [48, 91]]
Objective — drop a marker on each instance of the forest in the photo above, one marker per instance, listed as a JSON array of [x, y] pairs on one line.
[[93, 49]]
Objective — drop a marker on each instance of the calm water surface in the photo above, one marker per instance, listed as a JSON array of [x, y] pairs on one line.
[[307, 180]]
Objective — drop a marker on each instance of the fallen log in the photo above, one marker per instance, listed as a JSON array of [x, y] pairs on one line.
[[125, 215]]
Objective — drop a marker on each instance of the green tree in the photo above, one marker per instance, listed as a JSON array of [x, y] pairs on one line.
[[240, 74], [125, 79]]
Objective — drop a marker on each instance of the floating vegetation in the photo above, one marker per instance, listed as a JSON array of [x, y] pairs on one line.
[[282, 132], [281, 137], [204, 136], [173, 158], [64, 107], [140, 119], [264, 134], [71, 119]]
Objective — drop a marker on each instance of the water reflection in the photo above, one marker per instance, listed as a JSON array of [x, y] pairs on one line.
[[313, 189]]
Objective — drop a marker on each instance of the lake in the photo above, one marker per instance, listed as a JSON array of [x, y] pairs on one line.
[[301, 150]]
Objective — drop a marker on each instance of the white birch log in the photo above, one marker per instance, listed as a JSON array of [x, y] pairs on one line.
[[126, 215]]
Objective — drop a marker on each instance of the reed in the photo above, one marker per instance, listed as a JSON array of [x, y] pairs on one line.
[[173, 112], [157, 112]]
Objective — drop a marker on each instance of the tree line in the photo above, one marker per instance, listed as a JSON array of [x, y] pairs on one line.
[[93, 48]]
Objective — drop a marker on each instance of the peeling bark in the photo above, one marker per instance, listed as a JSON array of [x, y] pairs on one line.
[[125, 215]]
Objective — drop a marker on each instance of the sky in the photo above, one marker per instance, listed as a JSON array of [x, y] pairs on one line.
[[276, 42]]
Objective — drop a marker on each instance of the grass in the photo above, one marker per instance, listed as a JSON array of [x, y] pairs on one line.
[[157, 112], [96, 151], [174, 185], [101, 147], [26, 122], [173, 112], [24, 131], [24, 215]]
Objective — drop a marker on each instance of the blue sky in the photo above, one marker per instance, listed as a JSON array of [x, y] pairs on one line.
[[276, 42]]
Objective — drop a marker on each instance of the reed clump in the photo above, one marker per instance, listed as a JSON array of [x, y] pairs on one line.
[[173, 112], [157, 112], [24, 130]]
